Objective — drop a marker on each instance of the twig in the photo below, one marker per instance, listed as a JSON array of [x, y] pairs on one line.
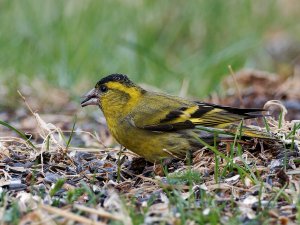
[[99, 211], [70, 215], [236, 84], [24, 99], [44, 218], [279, 104], [184, 87]]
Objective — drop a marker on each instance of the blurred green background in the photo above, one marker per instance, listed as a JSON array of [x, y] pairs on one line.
[[74, 43]]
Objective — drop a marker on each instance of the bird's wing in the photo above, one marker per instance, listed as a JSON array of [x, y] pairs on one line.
[[172, 113]]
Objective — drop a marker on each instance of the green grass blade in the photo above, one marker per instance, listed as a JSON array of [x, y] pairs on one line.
[[58, 185], [266, 124], [20, 133], [280, 119], [72, 132], [222, 155]]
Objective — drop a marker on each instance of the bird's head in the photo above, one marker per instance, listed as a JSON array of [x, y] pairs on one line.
[[113, 94]]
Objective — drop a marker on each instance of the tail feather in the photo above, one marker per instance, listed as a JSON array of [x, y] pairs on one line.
[[253, 112], [249, 132], [233, 129]]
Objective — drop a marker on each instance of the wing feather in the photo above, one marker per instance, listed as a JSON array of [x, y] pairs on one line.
[[173, 113]]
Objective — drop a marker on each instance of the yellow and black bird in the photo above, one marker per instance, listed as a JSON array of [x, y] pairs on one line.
[[157, 125]]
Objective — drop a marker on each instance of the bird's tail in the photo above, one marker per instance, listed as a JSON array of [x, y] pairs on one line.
[[231, 130], [247, 131]]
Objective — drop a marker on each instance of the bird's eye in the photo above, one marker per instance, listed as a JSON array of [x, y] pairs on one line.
[[103, 88]]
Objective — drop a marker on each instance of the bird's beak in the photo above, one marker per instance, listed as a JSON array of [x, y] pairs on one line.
[[90, 98]]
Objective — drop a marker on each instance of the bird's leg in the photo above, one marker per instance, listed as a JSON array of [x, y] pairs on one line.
[[167, 165], [189, 157], [120, 162]]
